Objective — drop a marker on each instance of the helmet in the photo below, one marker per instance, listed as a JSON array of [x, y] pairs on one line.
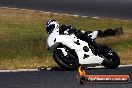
[[51, 24]]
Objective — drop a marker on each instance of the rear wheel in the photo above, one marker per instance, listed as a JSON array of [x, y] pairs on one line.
[[68, 62], [111, 58]]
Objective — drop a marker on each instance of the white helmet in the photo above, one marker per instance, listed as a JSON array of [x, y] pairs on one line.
[[51, 24]]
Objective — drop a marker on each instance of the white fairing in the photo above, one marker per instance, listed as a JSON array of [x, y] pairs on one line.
[[70, 41], [93, 34]]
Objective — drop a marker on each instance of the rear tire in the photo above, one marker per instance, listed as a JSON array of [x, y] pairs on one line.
[[111, 58], [60, 59]]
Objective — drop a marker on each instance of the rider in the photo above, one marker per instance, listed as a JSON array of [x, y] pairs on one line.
[[87, 36]]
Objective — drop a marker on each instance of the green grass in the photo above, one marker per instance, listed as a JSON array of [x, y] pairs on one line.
[[23, 37]]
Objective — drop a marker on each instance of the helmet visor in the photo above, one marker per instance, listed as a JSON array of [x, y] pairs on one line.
[[50, 28]]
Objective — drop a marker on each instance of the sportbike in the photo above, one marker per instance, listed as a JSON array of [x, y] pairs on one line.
[[69, 51]]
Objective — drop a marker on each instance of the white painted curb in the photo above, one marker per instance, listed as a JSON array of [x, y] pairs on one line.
[[20, 70], [129, 65], [45, 12], [32, 70]]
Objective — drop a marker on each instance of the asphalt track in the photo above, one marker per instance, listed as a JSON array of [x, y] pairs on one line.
[[59, 79], [120, 9]]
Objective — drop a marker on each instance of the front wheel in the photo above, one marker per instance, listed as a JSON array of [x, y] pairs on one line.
[[68, 62], [111, 58]]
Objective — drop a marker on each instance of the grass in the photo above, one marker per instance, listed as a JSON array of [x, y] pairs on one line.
[[23, 37]]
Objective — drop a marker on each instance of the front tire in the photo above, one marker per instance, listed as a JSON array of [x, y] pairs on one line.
[[111, 58], [69, 62]]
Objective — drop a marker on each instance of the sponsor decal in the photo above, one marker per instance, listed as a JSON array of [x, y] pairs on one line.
[[83, 78], [107, 78]]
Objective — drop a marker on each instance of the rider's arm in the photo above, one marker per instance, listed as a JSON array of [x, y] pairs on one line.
[[82, 34], [64, 28], [72, 30]]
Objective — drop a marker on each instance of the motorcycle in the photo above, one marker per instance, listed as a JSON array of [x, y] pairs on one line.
[[69, 52]]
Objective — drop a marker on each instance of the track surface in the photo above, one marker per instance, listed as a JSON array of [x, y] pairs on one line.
[[121, 9], [67, 79], [58, 79]]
